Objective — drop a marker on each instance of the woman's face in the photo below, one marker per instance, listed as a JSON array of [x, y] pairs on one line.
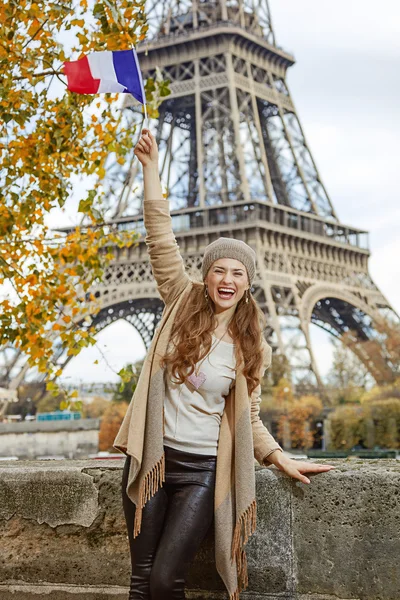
[[230, 274]]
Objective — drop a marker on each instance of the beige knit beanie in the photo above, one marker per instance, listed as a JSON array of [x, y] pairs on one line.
[[230, 248]]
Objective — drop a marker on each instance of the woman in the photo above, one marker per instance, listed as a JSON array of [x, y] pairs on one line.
[[192, 429]]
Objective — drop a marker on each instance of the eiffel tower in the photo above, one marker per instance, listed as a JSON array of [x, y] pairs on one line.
[[236, 163]]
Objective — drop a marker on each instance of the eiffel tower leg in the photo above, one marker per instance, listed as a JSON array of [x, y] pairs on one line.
[[306, 332], [235, 120], [221, 156], [296, 162], [285, 310], [355, 320], [297, 344], [264, 159], [199, 136], [271, 311]]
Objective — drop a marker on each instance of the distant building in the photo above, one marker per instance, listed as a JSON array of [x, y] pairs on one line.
[[6, 396]]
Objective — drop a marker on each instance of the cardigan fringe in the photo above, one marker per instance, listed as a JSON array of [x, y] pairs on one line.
[[244, 528], [152, 481]]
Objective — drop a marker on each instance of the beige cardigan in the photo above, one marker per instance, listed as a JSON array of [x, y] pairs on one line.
[[242, 433]]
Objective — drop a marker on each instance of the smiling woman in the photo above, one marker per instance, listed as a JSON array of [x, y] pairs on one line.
[[192, 429]]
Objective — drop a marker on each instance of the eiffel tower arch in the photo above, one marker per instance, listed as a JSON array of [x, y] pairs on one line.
[[236, 163]]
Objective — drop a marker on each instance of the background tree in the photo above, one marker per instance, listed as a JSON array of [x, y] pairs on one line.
[[96, 408], [297, 415], [129, 378], [54, 146], [348, 377], [374, 422], [385, 416], [381, 392], [347, 427], [50, 402], [110, 424], [29, 395], [279, 369], [283, 393], [300, 419]]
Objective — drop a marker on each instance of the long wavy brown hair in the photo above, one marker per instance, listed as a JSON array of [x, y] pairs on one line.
[[191, 336]]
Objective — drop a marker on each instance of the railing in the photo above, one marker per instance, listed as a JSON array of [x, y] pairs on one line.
[[262, 213], [159, 38]]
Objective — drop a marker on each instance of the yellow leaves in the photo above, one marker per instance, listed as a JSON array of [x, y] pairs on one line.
[[108, 138], [6, 305], [31, 279], [36, 352], [83, 40], [35, 9], [32, 310], [98, 130], [33, 27], [39, 171], [73, 351], [38, 244], [128, 13]]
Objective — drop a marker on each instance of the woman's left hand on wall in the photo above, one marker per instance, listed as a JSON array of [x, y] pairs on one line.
[[297, 468]]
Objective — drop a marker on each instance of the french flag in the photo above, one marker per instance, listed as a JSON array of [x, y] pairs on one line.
[[106, 71]]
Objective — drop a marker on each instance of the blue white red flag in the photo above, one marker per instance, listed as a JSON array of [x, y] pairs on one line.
[[106, 71]]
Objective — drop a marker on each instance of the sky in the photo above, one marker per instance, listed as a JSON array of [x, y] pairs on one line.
[[346, 89]]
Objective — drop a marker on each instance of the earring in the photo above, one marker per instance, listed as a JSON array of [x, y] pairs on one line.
[[247, 296], [206, 293]]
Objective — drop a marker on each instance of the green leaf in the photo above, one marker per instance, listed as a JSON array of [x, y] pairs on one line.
[[98, 9]]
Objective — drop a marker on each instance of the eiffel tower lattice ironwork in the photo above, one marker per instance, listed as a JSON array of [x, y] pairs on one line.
[[236, 163]]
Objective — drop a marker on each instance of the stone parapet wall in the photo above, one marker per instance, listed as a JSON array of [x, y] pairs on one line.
[[63, 534], [33, 439]]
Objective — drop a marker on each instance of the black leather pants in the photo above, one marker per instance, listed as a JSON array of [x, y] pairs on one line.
[[174, 523]]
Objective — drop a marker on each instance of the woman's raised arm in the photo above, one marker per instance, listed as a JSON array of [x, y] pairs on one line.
[[166, 261]]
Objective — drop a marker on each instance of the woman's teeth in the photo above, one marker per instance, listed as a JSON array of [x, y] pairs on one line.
[[226, 294]]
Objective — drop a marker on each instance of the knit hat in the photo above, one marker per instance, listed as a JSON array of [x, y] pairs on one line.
[[230, 248]]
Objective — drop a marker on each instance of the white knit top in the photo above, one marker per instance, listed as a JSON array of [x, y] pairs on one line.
[[193, 417]]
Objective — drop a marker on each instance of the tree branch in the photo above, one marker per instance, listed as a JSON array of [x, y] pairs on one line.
[[43, 74]]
